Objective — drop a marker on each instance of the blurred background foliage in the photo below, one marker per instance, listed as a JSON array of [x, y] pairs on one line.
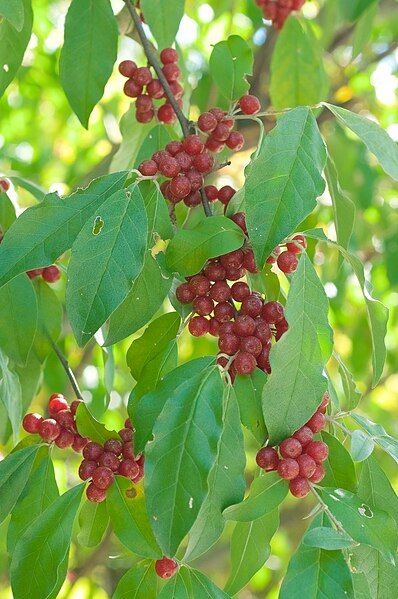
[[41, 140]]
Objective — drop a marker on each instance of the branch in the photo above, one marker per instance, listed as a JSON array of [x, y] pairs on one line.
[[67, 368], [153, 61]]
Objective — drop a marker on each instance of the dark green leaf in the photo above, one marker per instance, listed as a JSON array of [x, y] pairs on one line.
[[50, 315], [138, 583], [163, 19], [93, 522], [144, 299], [89, 427], [152, 342], [159, 223], [379, 435], [374, 578], [343, 206], [375, 488], [13, 42], [266, 493], [191, 584], [193, 415], [14, 472], [250, 548], [7, 213], [373, 136], [361, 446], [133, 137], [18, 318], [40, 491], [154, 371], [38, 562], [14, 12], [327, 538], [85, 64], [340, 469], [226, 481], [145, 413], [130, 520], [10, 394], [230, 62], [297, 73], [295, 387], [353, 9], [190, 249], [283, 182], [50, 228], [106, 258], [249, 392]]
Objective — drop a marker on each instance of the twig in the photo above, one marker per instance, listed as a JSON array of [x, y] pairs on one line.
[[67, 368], [153, 61], [327, 510]]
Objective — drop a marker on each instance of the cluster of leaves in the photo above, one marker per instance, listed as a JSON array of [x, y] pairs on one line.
[[188, 421]]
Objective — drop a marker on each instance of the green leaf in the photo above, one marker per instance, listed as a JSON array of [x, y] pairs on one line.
[[18, 318], [327, 538], [93, 522], [50, 314], [157, 138], [317, 573], [191, 584], [249, 392], [86, 65], [373, 136], [159, 223], [363, 522], [89, 427], [152, 342], [353, 9], [10, 394], [351, 394], [250, 548], [154, 371], [13, 41], [43, 549], [203, 588], [283, 182], [190, 249], [50, 228], [266, 493], [40, 491], [230, 62], [130, 520], [297, 73], [343, 206], [35, 190], [375, 488], [340, 469], [163, 19], [145, 413], [374, 578], [361, 446], [296, 385], [363, 30], [379, 435], [226, 481], [133, 137], [193, 414], [14, 472], [106, 258], [14, 12], [143, 301], [7, 213], [138, 583]]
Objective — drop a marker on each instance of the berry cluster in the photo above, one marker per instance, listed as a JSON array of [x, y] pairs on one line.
[[287, 260], [141, 85], [278, 11], [100, 463], [50, 274], [300, 460], [4, 185]]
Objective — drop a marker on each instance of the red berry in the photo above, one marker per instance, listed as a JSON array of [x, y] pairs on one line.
[[251, 345], [218, 113], [207, 122], [224, 312], [180, 186], [263, 360], [159, 156], [225, 194], [245, 363], [144, 117], [290, 448], [203, 305], [318, 475], [177, 90], [148, 168], [169, 167], [288, 469], [317, 422], [185, 293], [192, 199], [166, 567], [267, 458], [31, 423], [240, 291], [103, 477], [195, 178], [56, 403], [171, 71], [281, 328], [93, 451], [318, 450], [4, 184], [228, 344], [114, 446], [249, 262], [299, 487], [128, 451], [240, 219], [66, 419], [214, 327], [232, 259], [36, 272], [49, 429], [86, 469], [155, 89], [51, 274], [299, 246], [166, 114], [203, 162], [211, 192], [65, 439], [221, 132], [324, 403], [126, 434], [79, 443], [168, 55], [220, 291], [214, 146], [244, 325], [200, 285], [74, 405], [128, 423], [307, 465], [142, 76], [95, 494], [304, 435], [127, 68], [226, 328], [109, 460], [287, 262], [184, 160], [198, 326], [143, 103], [235, 141], [193, 145], [263, 331], [249, 104], [132, 89], [234, 274], [128, 468], [215, 271], [252, 305], [174, 147], [273, 312]]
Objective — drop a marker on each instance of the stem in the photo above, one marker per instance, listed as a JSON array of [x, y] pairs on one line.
[[67, 368], [153, 61], [327, 510]]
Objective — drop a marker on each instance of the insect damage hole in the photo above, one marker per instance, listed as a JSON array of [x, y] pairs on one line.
[[365, 510], [97, 226]]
